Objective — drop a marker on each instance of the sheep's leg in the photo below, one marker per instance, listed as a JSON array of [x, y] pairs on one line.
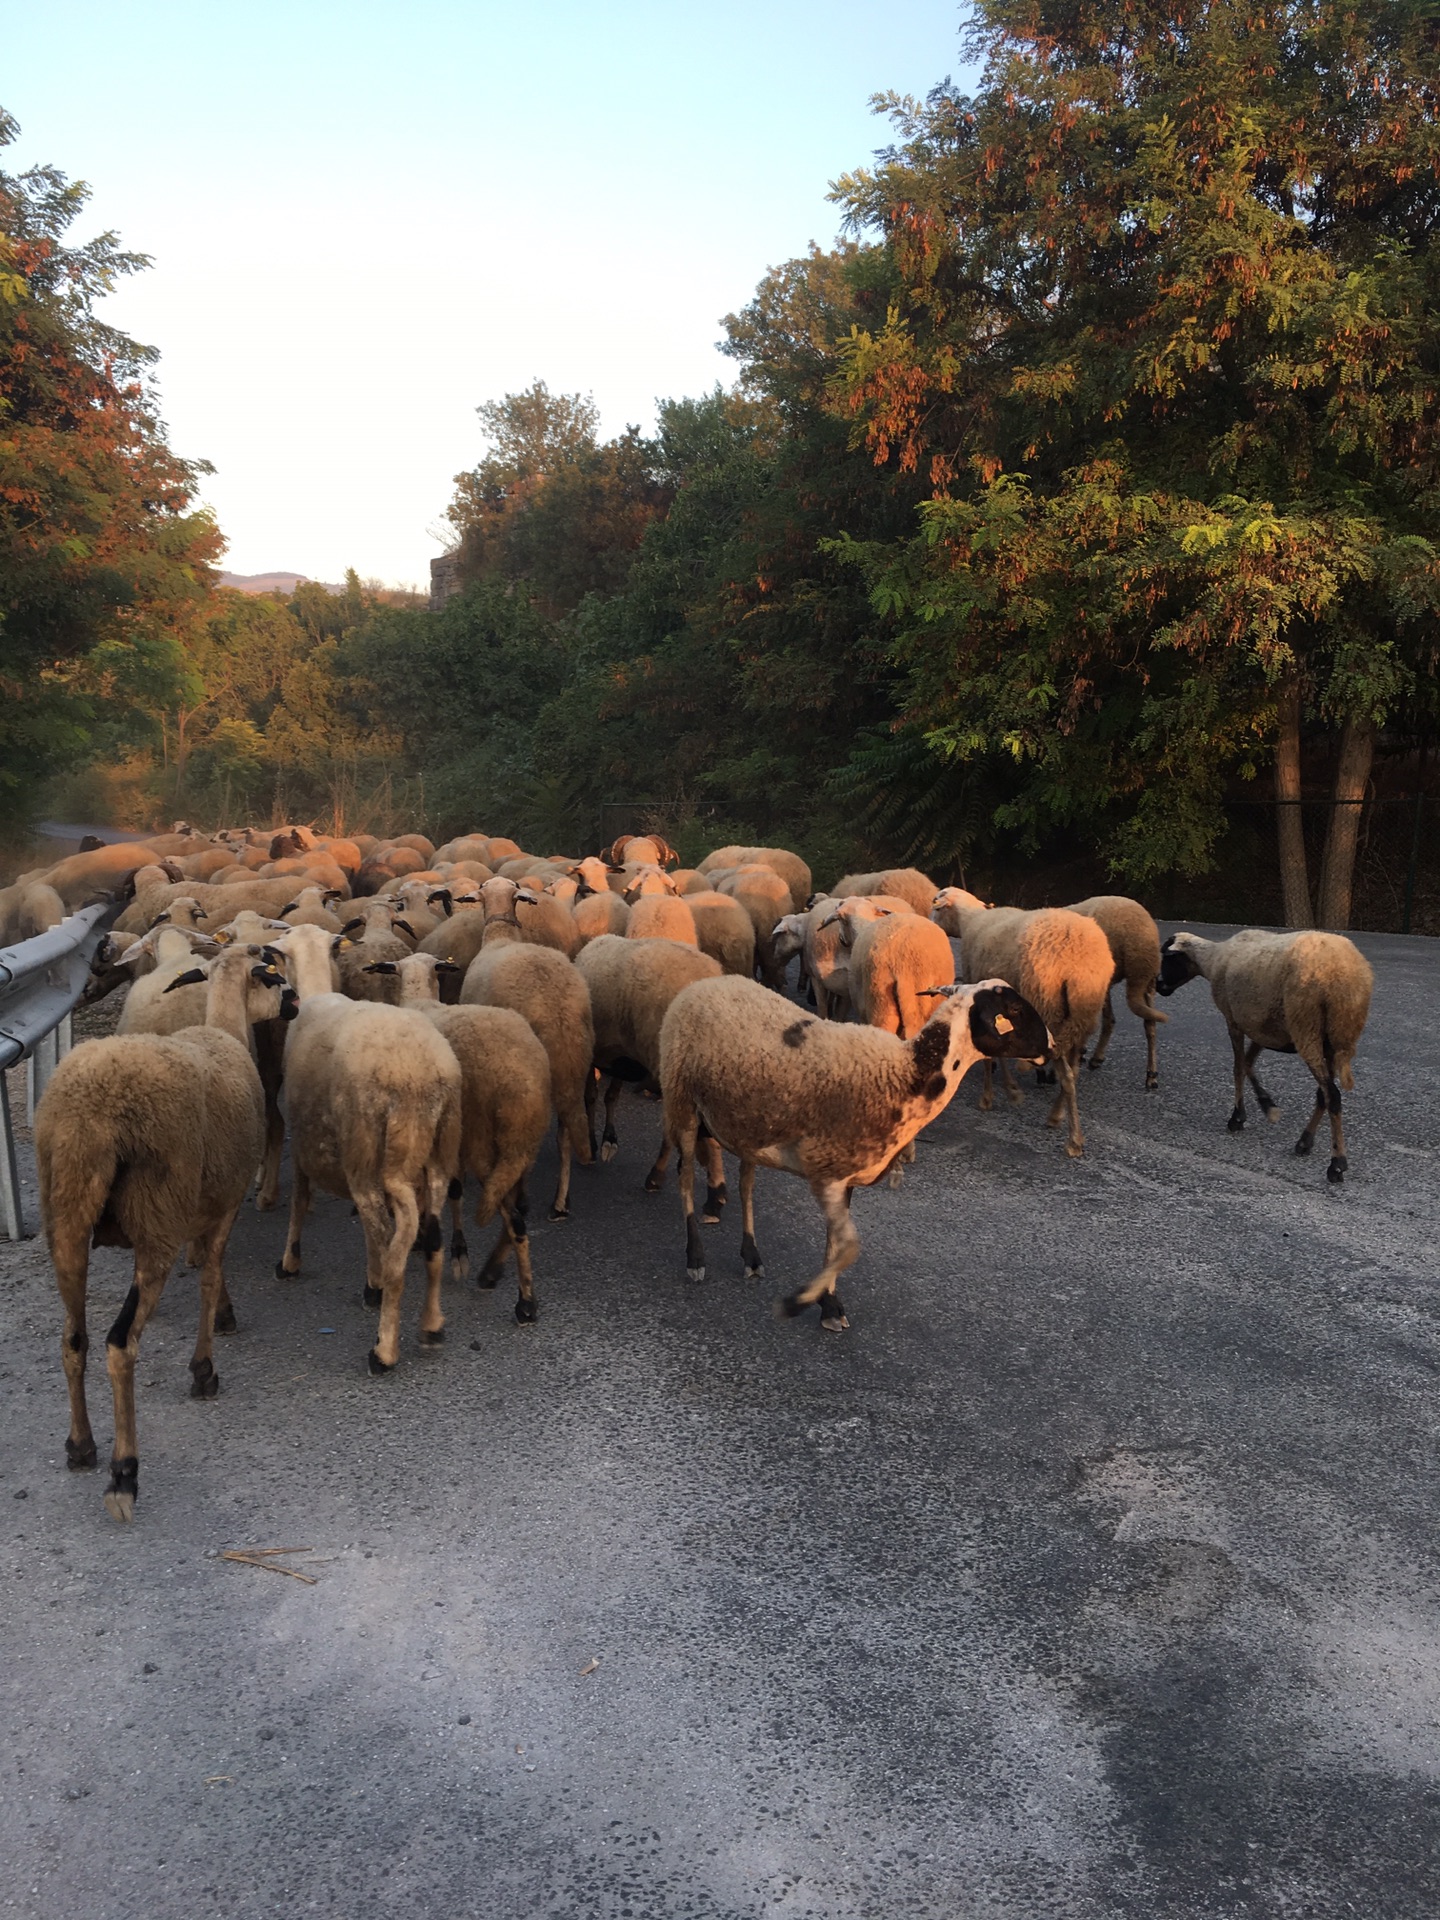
[[1107, 1027], [610, 1140], [685, 1135], [1013, 1091], [1327, 1099], [560, 1205], [432, 1314], [494, 1266], [270, 1059], [122, 1347], [655, 1179], [459, 1247], [592, 1087], [842, 1249], [388, 1251], [1268, 1106], [987, 1087], [1152, 1068], [204, 1380], [70, 1251], [513, 1212], [749, 1252], [1066, 1104], [715, 1190], [289, 1261], [1237, 1113], [822, 998]]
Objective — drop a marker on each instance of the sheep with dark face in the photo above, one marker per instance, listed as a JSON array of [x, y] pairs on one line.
[[1305, 993], [834, 1104], [149, 1141]]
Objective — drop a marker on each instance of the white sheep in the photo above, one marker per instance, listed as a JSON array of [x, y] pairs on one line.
[[149, 1141], [1135, 947], [896, 960], [1060, 961], [834, 1104], [790, 867], [1305, 993], [373, 1103]]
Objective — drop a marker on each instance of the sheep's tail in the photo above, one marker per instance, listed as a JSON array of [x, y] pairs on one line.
[[1138, 998], [1337, 1063], [78, 1182], [400, 1194]]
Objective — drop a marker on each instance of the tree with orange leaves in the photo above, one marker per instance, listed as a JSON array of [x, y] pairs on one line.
[[104, 560], [1162, 341]]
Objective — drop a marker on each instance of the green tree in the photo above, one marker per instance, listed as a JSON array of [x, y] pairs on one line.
[[100, 544], [1161, 342]]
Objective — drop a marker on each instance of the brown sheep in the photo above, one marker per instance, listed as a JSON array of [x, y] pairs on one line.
[[1135, 946]]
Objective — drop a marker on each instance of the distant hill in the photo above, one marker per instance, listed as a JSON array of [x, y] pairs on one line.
[[271, 582]]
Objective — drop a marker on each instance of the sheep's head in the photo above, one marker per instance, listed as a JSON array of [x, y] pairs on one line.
[[848, 914], [788, 938], [997, 1021], [1178, 963], [648, 880]]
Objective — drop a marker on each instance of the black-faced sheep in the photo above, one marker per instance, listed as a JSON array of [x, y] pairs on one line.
[[1135, 947], [150, 1141], [834, 1104], [1305, 993]]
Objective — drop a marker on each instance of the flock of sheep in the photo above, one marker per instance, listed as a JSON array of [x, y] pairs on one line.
[[429, 1012]]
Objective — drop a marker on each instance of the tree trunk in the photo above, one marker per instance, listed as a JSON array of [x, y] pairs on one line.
[[1352, 775], [1289, 826]]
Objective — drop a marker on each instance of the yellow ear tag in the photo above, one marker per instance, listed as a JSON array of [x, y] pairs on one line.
[[224, 937], [1002, 1025]]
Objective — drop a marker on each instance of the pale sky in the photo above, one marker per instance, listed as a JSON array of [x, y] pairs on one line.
[[368, 218]]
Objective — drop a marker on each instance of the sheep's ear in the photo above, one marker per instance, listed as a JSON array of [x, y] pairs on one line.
[[444, 896], [525, 894], [192, 978], [350, 925], [1167, 943], [289, 1002], [163, 920], [290, 909], [405, 927], [266, 974], [447, 966], [381, 966], [330, 893]]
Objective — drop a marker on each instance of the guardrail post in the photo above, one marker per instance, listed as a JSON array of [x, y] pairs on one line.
[[44, 1059], [10, 1218]]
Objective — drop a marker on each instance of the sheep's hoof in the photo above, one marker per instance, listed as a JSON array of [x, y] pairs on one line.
[[1335, 1172], [225, 1319], [526, 1311], [750, 1258], [124, 1485], [377, 1365], [788, 1307], [986, 1102], [266, 1202], [654, 1181], [895, 1178], [205, 1381], [694, 1273], [1152, 1081], [372, 1296], [432, 1336], [1095, 1065], [488, 1277], [715, 1198], [80, 1454], [832, 1314], [609, 1148], [1236, 1122], [1304, 1144], [282, 1272], [1075, 1149], [1268, 1106], [559, 1213]]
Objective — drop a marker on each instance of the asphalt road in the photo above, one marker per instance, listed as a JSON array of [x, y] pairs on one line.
[[1092, 1573]]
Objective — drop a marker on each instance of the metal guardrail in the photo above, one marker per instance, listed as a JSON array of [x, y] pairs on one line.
[[40, 982]]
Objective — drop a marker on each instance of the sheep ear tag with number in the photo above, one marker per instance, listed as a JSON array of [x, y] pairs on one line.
[[1002, 1025]]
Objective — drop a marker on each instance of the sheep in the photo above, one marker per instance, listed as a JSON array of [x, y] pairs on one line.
[[598, 912], [505, 1103], [725, 931], [1305, 993], [373, 1103], [825, 948], [647, 849], [312, 908], [149, 1142], [82, 877], [375, 934], [835, 1104], [1060, 961], [658, 916], [29, 908], [543, 987], [631, 988], [766, 898], [1135, 946], [891, 954], [535, 916], [916, 889], [790, 867]]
